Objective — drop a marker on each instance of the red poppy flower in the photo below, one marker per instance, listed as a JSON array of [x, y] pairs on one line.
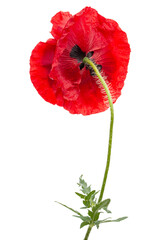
[[57, 70]]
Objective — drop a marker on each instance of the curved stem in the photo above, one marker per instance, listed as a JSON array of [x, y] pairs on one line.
[[87, 61]]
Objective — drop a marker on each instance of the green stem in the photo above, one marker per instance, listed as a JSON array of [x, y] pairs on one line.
[[88, 232], [87, 61]]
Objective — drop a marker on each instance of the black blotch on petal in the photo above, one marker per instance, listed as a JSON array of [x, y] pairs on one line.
[[90, 54], [81, 66], [77, 53]]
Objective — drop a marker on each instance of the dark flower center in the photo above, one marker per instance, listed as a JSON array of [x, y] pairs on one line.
[[78, 54]]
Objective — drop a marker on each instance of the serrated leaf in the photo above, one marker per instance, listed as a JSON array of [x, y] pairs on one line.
[[82, 183], [84, 187], [84, 224], [70, 208], [86, 190], [80, 195]]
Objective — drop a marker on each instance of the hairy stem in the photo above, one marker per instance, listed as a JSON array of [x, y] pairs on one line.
[[87, 61]]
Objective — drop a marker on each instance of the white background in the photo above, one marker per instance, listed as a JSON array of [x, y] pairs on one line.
[[44, 149]]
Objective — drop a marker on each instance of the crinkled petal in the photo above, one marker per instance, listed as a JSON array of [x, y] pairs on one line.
[[73, 85], [59, 21], [40, 66], [82, 92], [66, 71]]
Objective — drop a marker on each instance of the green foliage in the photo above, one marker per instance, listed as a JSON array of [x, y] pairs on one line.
[[70, 208], [91, 204], [103, 204], [84, 224], [80, 195], [83, 185], [107, 220]]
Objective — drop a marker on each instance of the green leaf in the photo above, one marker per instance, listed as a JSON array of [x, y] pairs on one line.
[[84, 187], [118, 219], [83, 207], [96, 216], [96, 193], [84, 224], [70, 208], [87, 204], [101, 205], [106, 209], [80, 195], [106, 220], [90, 195], [83, 218], [90, 213], [86, 190], [97, 225], [102, 221], [82, 183]]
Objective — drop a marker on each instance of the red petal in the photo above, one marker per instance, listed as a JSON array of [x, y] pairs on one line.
[[115, 57], [83, 93], [65, 71], [40, 66], [74, 89], [59, 21]]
